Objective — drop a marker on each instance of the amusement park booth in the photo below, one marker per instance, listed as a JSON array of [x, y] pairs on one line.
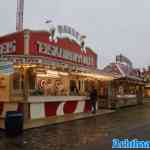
[[128, 88], [51, 75]]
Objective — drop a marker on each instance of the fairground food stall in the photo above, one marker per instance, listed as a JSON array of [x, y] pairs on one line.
[[127, 89], [52, 76], [146, 76]]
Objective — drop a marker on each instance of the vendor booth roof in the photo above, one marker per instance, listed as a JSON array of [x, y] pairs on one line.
[[123, 72]]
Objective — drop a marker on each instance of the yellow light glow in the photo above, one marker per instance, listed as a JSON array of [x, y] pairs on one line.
[[98, 76], [57, 72], [24, 66], [52, 74], [63, 73], [47, 76]]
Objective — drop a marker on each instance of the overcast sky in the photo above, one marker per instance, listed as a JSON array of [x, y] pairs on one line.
[[112, 26]]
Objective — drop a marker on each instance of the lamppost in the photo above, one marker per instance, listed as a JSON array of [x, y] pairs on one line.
[[24, 87]]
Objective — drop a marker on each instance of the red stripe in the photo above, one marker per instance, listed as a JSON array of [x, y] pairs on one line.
[[51, 108], [20, 107], [88, 107], [70, 107]]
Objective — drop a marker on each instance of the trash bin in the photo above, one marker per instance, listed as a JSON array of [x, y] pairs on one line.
[[14, 123]]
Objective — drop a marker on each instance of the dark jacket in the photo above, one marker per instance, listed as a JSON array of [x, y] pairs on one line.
[[93, 95]]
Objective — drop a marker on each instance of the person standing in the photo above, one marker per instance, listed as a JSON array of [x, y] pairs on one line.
[[93, 99]]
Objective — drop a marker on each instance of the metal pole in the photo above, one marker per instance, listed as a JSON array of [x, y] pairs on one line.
[[19, 15]]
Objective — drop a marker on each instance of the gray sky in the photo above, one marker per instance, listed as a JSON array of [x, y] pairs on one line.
[[112, 26]]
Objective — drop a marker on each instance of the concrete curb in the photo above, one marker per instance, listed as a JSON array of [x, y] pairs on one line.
[[57, 120]]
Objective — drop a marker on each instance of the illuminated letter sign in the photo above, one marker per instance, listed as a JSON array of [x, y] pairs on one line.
[[8, 47], [50, 50], [63, 29]]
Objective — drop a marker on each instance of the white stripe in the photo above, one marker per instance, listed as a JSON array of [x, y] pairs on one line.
[[60, 109], [80, 107], [122, 72], [37, 110]]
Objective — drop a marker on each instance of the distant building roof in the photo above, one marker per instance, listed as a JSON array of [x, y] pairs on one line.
[[122, 70]]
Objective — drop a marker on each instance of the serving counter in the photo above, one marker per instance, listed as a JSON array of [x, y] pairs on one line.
[[123, 101], [46, 106]]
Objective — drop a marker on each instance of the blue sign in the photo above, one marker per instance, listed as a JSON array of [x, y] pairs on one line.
[[6, 68]]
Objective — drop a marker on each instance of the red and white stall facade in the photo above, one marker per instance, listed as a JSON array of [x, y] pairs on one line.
[[51, 75], [128, 88]]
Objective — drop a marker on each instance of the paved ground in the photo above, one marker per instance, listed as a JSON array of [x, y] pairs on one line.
[[88, 134], [56, 120]]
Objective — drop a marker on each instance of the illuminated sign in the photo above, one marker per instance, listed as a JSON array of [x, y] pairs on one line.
[[50, 50], [63, 29], [19, 60], [66, 31], [8, 47]]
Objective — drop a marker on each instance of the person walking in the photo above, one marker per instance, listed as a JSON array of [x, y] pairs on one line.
[[93, 99]]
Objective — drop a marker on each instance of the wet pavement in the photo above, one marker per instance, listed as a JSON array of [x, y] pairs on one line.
[[88, 134]]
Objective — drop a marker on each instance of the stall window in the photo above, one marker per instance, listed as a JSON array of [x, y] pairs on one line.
[[86, 85], [31, 78], [79, 85], [73, 88], [16, 81]]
